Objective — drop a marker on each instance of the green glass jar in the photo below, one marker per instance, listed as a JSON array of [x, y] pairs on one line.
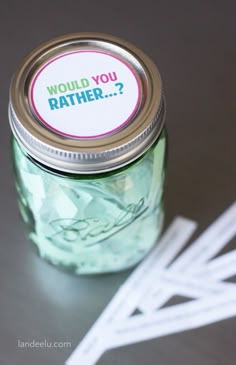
[[89, 151]]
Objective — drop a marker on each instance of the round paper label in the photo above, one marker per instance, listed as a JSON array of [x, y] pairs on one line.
[[85, 94]]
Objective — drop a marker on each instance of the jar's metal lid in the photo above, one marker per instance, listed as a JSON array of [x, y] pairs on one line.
[[86, 103]]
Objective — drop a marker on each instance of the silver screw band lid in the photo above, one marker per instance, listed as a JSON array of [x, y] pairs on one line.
[[100, 121]]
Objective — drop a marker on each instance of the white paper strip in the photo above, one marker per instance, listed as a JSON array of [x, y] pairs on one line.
[[195, 287], [221, 268], [211, 241], [175, 319], [185, 285]]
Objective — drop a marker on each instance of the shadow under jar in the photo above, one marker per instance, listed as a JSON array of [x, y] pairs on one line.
[[89, 151]]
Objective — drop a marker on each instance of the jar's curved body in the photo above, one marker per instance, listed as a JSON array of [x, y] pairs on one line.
[[97, 223]]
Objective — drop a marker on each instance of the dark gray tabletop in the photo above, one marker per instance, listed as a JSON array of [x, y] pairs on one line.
[[193, 44]]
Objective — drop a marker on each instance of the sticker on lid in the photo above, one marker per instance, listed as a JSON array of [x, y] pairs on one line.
[[85, 94]]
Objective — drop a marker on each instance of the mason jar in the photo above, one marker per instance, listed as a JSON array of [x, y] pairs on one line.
[[89, 151]]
